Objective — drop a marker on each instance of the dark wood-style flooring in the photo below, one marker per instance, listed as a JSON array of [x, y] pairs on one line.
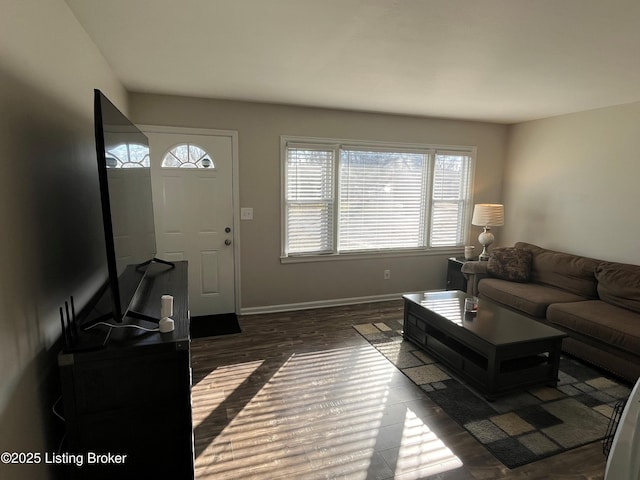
[[301, 395]]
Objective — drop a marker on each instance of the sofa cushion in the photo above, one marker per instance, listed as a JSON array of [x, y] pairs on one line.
[[530, 298], [599, 320], [619, 284], [509, 263], [572, 273]]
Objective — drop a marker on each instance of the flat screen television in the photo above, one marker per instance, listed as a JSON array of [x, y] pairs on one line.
[[124, 173]]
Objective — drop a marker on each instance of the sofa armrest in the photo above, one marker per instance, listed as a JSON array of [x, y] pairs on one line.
[[474, 272]]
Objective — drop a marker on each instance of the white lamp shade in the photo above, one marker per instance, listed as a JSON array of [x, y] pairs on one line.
[[488, 215]]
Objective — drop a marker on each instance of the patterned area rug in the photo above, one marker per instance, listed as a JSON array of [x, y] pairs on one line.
[[519, 428]]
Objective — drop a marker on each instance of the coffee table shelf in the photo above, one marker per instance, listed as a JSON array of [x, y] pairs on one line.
[[496, 350]]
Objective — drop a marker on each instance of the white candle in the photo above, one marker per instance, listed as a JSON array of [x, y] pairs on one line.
[[166, 306]]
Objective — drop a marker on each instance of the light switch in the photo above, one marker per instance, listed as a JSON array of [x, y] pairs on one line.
[[246, 214]]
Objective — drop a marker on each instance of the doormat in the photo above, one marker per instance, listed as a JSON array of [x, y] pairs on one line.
[[519, 428], [213, 325]]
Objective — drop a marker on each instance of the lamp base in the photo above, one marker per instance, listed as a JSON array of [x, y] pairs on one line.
[[486, 238]]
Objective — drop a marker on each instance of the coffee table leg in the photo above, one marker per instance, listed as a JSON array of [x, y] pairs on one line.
[[554, 360], [493, 366]]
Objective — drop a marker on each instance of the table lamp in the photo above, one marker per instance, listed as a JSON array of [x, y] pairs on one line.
[[487, 215]]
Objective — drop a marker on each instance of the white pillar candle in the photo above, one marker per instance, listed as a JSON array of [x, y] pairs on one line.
[[166, 306]]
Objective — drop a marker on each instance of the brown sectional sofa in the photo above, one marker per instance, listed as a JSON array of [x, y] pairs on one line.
[[596, 302]]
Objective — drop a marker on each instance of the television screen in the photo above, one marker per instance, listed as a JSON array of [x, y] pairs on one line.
[[127, 208]]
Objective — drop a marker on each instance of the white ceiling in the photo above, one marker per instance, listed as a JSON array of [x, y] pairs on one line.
[[495, 60]]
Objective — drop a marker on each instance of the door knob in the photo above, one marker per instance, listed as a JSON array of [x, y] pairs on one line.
[[227, 242]]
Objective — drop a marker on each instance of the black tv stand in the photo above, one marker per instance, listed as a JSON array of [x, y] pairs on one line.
[[133, 397]]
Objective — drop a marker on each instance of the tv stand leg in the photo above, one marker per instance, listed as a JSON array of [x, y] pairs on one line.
[[142, 316]]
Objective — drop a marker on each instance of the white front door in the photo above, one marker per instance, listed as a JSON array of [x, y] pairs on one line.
[[194, 211]]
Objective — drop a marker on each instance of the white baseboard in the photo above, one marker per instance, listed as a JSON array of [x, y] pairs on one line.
[[337, 302]]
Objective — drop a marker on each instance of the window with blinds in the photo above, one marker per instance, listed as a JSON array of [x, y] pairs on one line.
[[450, 199], [342, 199], [309, 200], [382, 200]]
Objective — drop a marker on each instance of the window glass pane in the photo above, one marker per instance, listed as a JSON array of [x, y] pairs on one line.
[[382, 200], [187, 156], [181, 153], [309, 174], [450, 199], [309, 228], [309, 201], [128, 155]]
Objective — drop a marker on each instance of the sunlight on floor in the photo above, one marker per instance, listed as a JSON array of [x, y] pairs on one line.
[[333, 413], [421, 452], [217, 386]]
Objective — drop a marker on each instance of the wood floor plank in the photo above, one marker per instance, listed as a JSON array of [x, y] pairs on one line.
[[301, 395]]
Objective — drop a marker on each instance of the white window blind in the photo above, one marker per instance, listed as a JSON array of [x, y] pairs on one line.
[[364, 198], [309, 200], [450, 199], [382, 200]]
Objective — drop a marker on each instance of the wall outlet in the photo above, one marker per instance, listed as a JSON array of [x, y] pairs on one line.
[[387, 274], [246, 213]]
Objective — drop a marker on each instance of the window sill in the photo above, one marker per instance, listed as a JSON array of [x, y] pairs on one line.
[[447, 251]]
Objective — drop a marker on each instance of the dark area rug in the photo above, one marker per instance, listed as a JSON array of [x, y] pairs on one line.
[[519, 428], [213, 325]]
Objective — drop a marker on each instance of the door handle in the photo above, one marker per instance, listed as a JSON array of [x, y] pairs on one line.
[[227, 242]]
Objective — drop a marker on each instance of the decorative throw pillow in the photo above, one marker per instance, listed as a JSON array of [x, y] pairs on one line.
[[510, 263]]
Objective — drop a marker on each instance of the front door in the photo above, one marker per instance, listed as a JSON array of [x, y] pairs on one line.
[[192, 179]]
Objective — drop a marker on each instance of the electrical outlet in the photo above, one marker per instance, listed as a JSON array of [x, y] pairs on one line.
[[387, 274], [246, 213]]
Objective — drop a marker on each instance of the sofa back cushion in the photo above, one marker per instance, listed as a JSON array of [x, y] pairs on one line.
[[566, 271], [619, 284], [510, 263]]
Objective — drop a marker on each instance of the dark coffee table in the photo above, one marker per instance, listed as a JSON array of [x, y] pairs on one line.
[[495, 350]]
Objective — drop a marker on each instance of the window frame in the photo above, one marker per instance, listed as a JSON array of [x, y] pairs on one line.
[[337, 145]]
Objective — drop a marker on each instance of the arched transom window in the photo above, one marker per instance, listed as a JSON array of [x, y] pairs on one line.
[[187, 155], [128, 155]]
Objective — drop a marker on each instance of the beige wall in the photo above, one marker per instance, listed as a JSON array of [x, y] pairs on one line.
[[571, 183], [267, 282], [51, 242]]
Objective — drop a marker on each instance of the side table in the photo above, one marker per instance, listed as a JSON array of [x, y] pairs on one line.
[[455, 278]]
